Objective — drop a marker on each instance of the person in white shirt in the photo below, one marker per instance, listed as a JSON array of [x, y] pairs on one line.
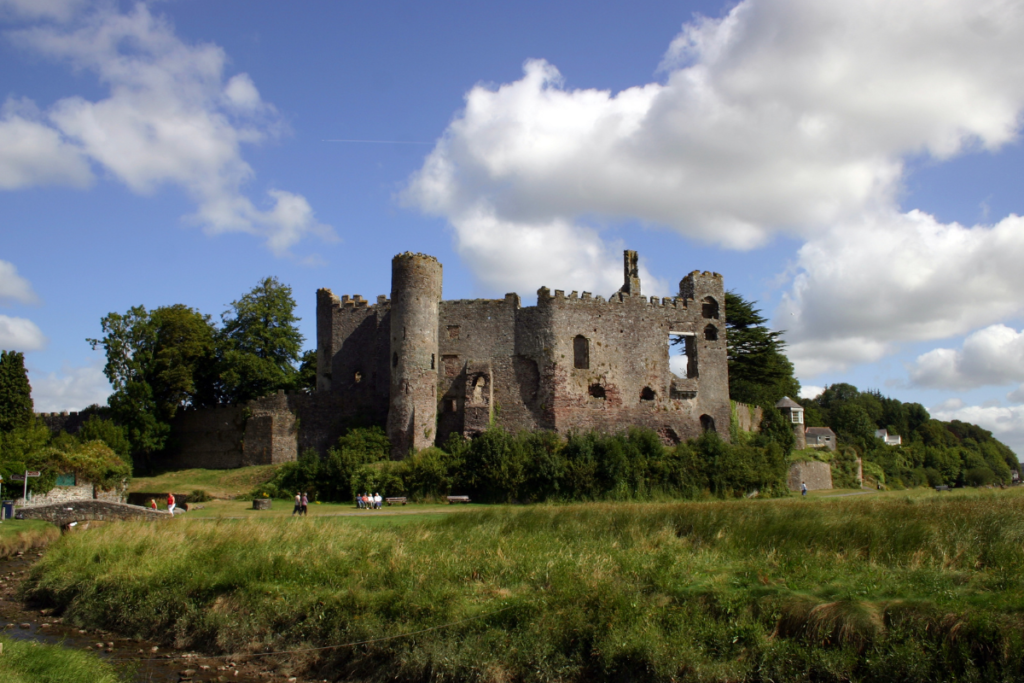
[[376, 500]]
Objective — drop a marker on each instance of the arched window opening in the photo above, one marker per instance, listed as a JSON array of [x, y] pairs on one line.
[[707, 423], [709, 308], [432, 361], [711, 333], [581, 352], [647, 394], [597, 391]]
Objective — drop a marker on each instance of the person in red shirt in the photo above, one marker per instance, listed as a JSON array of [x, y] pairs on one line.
[[170, 503]]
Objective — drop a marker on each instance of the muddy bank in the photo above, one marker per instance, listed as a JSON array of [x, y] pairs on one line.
[[138, 661]]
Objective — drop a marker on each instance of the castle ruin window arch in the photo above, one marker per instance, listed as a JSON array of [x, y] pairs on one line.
[[711, 333], [709, 308], [707, 423], [581, 352]]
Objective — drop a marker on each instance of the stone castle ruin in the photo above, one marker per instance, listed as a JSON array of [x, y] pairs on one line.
[[430, 367]]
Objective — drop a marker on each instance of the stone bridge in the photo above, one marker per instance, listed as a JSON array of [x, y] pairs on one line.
[[63, 514]]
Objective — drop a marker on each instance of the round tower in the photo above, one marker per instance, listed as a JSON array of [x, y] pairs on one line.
[[415, 299]]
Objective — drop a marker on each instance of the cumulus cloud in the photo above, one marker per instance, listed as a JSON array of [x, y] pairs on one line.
[[810, 391], [785, 116], [73, 388], [13, 287], [20, 334], [170, 118], [61, 10], [33, 153], [1005, 423], [862, 287], [993, 355]]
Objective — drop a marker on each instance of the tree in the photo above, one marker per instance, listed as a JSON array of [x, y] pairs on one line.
[[261, 342], [16, 409], [306, 379], [759, 372], [157, 362]]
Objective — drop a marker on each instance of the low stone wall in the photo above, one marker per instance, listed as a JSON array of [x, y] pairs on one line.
[[86, 510], [817, 475]]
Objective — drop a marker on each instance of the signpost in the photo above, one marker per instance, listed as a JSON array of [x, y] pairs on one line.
[[24, 478]]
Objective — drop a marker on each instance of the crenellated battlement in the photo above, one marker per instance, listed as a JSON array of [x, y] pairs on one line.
[[559, 297]]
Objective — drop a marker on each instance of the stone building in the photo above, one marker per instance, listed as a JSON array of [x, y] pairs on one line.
[[430, 367], [821, 437], [794, 412]]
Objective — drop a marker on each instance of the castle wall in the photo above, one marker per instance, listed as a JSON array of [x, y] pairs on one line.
[[207, 437], [817, 475]]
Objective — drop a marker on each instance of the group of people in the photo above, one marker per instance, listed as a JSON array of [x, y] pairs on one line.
[[170, 503], [367, 501], [301, 504]]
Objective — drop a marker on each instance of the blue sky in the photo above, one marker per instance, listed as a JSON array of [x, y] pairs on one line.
[[855, 169]]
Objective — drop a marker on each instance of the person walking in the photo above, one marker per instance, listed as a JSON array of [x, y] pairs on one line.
[[170, 503], [298, 505], [305, 504], [803, 488]]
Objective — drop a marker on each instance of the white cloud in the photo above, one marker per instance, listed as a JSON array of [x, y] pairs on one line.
[[13, 287], [61, 10], [786, 116], [810, 391], [73, 388], [993, 355], [1017, 395], [863, 287], [33, 153], [170, 119], [20, 334], [1005, 423]]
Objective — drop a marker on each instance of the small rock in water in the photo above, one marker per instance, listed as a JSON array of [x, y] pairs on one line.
[[204, 667], [110, 645], [26, 625], [82, 631], [99, 646], [154, 648]]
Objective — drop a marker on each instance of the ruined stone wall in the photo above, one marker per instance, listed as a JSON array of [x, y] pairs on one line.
[[748, 418], [210, 438], [83, 510], [69, 422], [817, 475]]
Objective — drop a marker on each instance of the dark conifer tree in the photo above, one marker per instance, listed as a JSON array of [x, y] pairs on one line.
[[16, 409]]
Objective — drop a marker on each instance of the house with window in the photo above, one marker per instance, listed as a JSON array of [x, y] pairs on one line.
[[820, 437], [69, 488], [794, 412], [889, 439]]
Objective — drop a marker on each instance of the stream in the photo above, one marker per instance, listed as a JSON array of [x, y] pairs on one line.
[[138, 661]]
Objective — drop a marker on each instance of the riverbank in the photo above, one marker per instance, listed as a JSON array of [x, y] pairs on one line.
[[924, 587], [21, 536]]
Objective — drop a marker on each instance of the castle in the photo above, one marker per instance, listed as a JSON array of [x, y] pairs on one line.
[[429, 367]]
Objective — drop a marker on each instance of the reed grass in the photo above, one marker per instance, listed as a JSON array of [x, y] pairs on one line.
[[917, 588], [18, 535]]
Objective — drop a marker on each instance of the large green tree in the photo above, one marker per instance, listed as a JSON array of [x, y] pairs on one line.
[[157, 362], [261, 342], [759, 372], [16, 409]]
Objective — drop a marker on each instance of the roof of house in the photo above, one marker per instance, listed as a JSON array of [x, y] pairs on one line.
[[819, 431], [787, 402]]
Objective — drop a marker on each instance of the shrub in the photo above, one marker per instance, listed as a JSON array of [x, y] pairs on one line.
[[979, 476]]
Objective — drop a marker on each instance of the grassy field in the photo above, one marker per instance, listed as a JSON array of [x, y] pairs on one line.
[[26, 662], [217, 483], [25, 534], [921, 587]]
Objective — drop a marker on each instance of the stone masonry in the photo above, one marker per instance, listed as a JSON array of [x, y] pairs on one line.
[[572, 362], [85, 510], [817, 475]]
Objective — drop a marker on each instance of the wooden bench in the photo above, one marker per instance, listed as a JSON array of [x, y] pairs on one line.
[[397, 500], [941, 488], [458, 499]]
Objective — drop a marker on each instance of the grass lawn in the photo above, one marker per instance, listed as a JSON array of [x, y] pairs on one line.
[[25, 534], [283, 509], [28, 662], [912, 586], [217, 483]]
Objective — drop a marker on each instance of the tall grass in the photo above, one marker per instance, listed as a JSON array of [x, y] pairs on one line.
[[27, 662], [22, 535], [921, 588]]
